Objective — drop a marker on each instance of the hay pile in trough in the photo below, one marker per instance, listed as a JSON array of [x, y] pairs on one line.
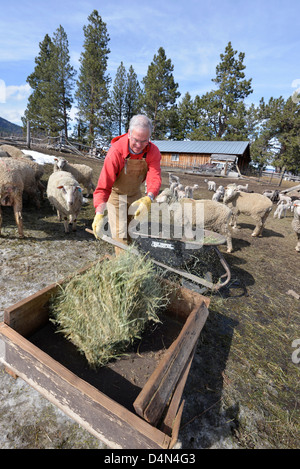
[[103, 310]]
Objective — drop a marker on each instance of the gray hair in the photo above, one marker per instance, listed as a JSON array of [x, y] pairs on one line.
[[140, 121]]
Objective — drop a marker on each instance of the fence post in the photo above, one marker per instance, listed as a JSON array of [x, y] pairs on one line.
[[28, 134]]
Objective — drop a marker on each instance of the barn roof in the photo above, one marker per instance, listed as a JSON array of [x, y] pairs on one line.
[[199, 146]]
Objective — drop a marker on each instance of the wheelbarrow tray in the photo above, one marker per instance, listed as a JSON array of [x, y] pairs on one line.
[[165, 243], [152, 419]]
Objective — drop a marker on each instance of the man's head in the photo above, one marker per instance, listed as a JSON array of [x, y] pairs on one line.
[[140, 128]]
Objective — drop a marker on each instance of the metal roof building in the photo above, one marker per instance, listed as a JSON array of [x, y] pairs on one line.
[[185, 154]]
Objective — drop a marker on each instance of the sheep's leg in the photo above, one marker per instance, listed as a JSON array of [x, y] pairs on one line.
[[261, 223], [298, 243], [19, 219], [0, 219], [66, 223], [73, 221]]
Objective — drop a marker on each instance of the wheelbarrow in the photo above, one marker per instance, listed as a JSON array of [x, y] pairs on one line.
[[170, 253]]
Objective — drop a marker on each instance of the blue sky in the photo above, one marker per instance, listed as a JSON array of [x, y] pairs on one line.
[[193, 33]]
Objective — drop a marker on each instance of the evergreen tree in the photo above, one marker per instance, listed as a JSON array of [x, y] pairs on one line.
[[118, 99], [159, 94], [222, 113], [280, 130], [92, 86], [132, 97], [65, 76], [43, 102]]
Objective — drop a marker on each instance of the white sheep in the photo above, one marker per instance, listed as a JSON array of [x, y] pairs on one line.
[[11, 191], [296, 223], [272, 195], [254, 205], [64, 193], [189, 191], [243, 188], [282, 208], [173, 178], [211, 185], [165, 196], [30, 172], [219, 194], [216, 216], [81, 172], [173, 185], [284, 198]]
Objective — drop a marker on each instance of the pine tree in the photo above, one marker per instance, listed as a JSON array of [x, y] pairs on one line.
[[92, 86], [118, 99], [222, 111], [42, 102], [132, 97], [65, 76], [159, 94]]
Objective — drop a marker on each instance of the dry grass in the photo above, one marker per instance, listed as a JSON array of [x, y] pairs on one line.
[[103, 310]]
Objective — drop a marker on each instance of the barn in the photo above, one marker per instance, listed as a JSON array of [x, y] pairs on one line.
[[192, 154]]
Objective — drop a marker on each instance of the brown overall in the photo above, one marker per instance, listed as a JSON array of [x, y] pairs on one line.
[[125, 191]]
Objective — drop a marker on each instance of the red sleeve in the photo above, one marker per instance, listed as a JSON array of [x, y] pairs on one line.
[[153, 178], [113, 165]]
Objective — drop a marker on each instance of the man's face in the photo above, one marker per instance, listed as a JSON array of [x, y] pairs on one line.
[[138, 139]]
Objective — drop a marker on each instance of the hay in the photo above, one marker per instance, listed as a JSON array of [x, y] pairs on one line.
[[105, 309]]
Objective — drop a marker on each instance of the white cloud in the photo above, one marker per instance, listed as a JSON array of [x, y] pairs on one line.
[[18, 93]]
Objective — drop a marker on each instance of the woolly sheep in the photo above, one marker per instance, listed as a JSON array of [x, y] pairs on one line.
[[219, 194], [284, 198], [211, 185], [216, 215], [173, 178], [189, 191], [272, 195], [64, 193], [254, 205], [281, 209], [296, 223], [243, 188], [81, 172], [11, 191], [30, 172]]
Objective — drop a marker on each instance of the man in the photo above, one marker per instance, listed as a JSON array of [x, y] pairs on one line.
[[131, 160]]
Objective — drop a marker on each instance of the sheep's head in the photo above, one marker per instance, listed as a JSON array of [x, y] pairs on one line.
[[61, 163], [70, 193], [231, 193]]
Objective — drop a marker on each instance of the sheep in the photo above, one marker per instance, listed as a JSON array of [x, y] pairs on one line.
[[179, 191], [173, 185], [12, 151], [281, 209], [284, 198], [243, 188], [189, 191], [11, 191], [272, 195], [219, 194], [81, 172], [216, 215], [254, 205], [65, 194], [173, 178], [165, 196], [296, 223], [211, 185], [30, 172]]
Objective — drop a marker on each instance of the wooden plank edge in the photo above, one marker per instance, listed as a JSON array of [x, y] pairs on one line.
[[15, 340]]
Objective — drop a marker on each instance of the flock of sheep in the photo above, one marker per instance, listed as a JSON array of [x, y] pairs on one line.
[[19, 175], [221, 212]]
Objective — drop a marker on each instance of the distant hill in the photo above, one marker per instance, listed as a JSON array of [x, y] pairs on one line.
[[7, 128]]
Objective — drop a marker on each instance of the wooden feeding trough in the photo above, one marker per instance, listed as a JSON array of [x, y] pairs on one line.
[[147, 415]]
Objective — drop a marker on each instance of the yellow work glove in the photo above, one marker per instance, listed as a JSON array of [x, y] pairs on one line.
[[98, 225], [142, 206]]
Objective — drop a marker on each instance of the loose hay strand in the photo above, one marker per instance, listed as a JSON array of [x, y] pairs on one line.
[[105, 309]]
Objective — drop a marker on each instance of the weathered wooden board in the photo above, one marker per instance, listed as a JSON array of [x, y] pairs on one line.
[[104, 417]]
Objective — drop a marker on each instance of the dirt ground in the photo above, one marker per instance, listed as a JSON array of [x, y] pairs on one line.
[[243, 385]]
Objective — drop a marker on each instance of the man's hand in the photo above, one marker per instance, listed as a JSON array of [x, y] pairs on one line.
[[98, 225], [142, 207]]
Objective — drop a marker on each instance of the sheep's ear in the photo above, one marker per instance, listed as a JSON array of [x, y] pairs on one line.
[[60, 187], [79, 188]]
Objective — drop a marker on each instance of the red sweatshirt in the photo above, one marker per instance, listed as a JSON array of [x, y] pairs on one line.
[[114, 163]]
